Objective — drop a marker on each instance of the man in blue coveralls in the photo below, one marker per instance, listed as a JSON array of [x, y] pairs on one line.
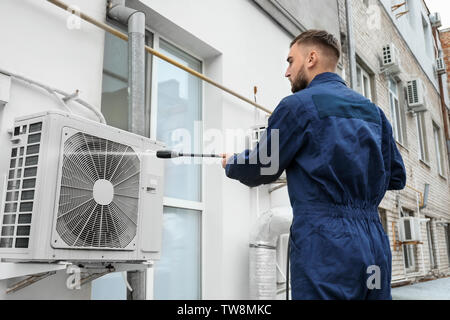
[[340, 159]]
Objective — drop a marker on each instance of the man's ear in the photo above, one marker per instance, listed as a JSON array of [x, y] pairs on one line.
[[312, 59]]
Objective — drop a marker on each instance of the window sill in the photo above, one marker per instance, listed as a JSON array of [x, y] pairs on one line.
[[402, 146], [425, 163]]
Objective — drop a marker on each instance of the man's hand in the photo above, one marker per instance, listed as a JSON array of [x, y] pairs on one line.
[[225, 157]]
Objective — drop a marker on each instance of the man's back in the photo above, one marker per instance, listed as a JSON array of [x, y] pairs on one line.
[[347, 155]]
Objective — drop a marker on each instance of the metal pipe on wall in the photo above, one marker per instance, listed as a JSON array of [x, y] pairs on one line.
[[150, 50], [135, 20]]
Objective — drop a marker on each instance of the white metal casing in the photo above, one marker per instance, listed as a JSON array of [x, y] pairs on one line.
[[410, 229], [440, 66], [145, 245], [435, 19], [415, 95], [390, 59]]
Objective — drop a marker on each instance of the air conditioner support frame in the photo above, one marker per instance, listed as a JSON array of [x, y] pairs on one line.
[[397, 244], [40, 271]]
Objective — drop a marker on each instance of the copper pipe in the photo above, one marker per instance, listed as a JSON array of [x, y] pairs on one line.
[[150, 50]]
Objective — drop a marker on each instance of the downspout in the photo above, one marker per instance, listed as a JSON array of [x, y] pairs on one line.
[[135, 20], [136, 62], [263, 255], [351, 44], [444, 110]]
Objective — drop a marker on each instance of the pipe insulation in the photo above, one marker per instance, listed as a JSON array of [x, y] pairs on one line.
[[263, 255], [150, 50]]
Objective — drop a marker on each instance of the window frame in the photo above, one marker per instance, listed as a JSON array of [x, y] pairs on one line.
[[397, 114], [170, 201], [149, 62], [409, 252], [424, 154], [437, 138], [361, 74]]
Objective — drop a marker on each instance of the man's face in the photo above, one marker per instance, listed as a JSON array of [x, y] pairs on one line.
[[296, 71]]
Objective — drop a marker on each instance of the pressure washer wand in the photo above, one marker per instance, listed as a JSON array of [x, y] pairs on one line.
[[168, 154]]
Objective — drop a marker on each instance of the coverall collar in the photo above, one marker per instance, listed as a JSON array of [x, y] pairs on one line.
[[325, 77]]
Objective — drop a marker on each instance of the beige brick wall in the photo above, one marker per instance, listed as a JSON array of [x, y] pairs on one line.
[[369, 39]]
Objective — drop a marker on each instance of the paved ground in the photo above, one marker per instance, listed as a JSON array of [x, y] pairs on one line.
[[430, 290]]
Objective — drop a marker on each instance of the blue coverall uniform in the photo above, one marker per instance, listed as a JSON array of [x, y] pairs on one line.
[[340, 158]]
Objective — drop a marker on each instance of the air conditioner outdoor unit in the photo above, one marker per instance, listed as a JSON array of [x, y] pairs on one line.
[[415, 95], [80, 191], [410, 229], [440, 66], [390, 59], [435, 19]]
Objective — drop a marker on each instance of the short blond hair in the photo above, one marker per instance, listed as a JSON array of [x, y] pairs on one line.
[[321, 38]]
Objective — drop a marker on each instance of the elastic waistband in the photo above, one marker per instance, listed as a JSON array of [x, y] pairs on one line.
[[336, 210]]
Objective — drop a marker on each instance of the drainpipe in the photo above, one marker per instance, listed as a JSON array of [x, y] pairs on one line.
[[135, 20], [351, 44], [263, 255], [136, 62]]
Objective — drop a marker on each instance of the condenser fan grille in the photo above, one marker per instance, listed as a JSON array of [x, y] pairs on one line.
[[98, 201]]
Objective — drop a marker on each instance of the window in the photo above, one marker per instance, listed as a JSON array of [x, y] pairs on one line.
[[421, 131], [176, 120], [114, 104], [447, 240], [397, 114], [179, 106], [363, 84], [431, 249], [383, 218], [409, 250], [438, 149], [178, 273]]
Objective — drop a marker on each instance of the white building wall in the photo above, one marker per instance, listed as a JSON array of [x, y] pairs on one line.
[[37, 44]]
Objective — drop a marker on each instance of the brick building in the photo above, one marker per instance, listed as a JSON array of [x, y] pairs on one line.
[[445, 41], [420, 135]]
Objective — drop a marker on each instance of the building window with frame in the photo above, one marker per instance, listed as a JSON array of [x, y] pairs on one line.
[[114, 105], [438, 149], [383, 218], [409, 250], [447, 240], [422, 135], [176, 121], [363, 82], [397, 113]]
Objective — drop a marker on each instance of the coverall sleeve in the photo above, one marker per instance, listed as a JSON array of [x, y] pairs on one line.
[[395, 165], [252, 167]]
